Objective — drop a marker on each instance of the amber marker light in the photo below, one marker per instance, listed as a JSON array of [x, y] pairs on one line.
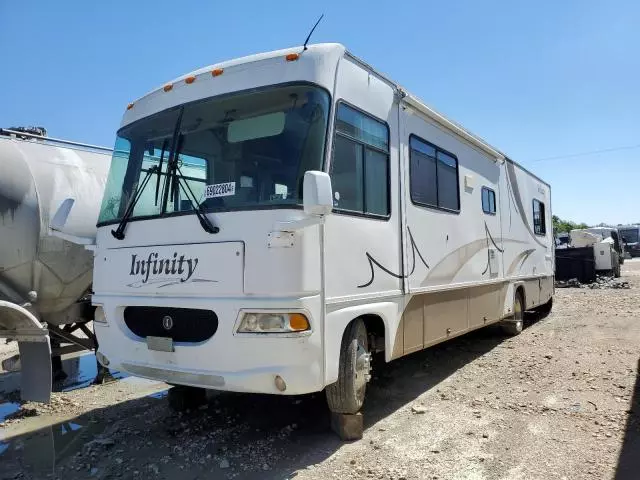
[[298, 322]]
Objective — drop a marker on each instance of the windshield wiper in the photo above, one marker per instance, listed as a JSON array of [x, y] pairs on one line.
[[119, 232], [178, 181], [164, 147]]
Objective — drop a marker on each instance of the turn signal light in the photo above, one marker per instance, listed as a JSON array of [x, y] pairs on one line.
[[298, 322]]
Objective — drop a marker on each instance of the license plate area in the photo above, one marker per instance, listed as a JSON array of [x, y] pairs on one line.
[[160, 344]]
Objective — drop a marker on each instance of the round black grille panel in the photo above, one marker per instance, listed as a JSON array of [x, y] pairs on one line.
[[180, 324]]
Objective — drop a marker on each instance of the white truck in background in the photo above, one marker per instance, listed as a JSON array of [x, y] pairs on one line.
[[45, 279]]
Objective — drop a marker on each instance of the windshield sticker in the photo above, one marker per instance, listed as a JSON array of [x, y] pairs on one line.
[[220, 190]]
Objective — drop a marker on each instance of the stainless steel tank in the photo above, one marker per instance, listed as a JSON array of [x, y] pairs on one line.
[[36, 175]]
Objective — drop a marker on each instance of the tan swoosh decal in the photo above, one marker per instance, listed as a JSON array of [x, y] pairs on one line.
[[445, 270], [520, 258]]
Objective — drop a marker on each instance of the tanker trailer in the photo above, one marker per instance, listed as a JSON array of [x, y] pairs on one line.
[[45, 279]]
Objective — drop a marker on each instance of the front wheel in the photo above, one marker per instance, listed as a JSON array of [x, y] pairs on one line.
[[347, 394]]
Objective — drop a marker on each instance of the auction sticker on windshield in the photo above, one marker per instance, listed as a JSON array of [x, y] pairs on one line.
[[220, 190]]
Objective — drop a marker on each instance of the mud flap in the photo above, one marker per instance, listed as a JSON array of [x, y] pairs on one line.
[[18, 323], [36, 377]]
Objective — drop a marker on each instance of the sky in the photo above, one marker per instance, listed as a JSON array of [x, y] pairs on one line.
[[541, 81]]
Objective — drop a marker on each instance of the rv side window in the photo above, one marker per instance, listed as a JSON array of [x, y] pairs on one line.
[[488, 201], [433, 176], [539, 224], [360, 166]]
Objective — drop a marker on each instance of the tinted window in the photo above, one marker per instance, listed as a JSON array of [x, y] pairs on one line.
[[360, 166], [488, 200], [433, 176], [539, 224]]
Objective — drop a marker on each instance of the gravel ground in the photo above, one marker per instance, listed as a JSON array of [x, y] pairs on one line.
[[559, 401]]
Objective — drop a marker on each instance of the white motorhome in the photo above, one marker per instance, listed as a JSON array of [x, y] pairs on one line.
[[297, 211]]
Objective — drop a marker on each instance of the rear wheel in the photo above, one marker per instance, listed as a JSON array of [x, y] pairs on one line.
[[347, 394], [515, 324]]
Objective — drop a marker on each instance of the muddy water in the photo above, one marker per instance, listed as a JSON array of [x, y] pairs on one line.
[[48, 445]]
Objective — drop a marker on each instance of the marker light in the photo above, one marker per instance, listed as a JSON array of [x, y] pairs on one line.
[[168, 87], [216, 72], [190, 80], [130, 106], [292, 57]]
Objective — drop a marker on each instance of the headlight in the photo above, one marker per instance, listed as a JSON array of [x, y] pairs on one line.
[[99, 316], [273, 323]]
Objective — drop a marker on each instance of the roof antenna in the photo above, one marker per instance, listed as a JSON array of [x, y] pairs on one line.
[[304, 47]]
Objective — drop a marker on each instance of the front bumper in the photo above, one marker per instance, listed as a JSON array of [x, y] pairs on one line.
[[227, 361]]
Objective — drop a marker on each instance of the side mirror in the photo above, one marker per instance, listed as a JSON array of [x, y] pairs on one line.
[[317, 193]]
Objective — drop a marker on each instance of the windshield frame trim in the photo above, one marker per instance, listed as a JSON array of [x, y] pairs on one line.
[[282, 206]]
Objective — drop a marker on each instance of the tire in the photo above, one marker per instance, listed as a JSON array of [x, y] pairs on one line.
[[514, 325], [347, 394]]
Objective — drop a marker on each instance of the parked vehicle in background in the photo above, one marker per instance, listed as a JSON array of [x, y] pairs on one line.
[[610, 235], [607, 250], [631, 238], [562, 240], [270, 222]]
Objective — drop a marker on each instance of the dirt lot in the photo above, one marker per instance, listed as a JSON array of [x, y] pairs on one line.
[[559, 401]]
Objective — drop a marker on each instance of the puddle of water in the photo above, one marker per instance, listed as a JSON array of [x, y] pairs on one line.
[[40, 451], [69, 427], [81, 370], [7, 409], [159, 395]]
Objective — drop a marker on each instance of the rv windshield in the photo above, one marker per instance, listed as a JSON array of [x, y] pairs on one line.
[[237, 152]]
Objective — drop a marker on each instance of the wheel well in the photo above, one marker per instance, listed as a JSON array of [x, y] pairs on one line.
[[375, 331], [520, 291]]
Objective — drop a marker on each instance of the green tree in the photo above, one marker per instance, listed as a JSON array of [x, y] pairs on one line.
[[564, 226]]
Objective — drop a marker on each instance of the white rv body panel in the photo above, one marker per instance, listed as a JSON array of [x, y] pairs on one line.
[[417, 273]]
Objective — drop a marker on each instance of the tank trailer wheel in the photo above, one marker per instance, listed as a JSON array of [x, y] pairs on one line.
[[347, 394]]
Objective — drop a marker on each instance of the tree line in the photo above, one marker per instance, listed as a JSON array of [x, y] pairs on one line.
[[562, 226]]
